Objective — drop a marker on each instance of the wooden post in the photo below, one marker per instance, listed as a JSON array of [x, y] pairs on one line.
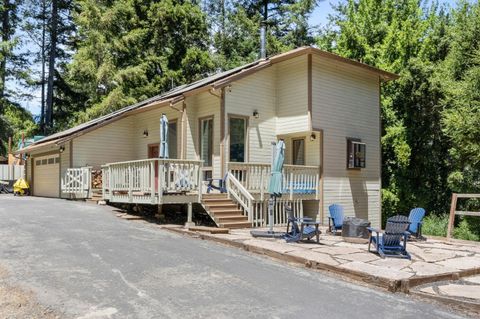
[[451, 219]]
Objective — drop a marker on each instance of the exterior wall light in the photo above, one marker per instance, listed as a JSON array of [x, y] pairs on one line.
[[313, 137], [145, 133], [62, 149], [256, 114]]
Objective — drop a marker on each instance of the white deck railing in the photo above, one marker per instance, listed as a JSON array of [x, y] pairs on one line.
[[240, 195], [77, 181], [147, 181], [297, 179]]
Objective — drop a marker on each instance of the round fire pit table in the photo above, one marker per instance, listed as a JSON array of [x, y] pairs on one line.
[[355, 230]]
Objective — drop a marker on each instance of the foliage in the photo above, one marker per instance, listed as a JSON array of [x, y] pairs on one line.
[[435, 225], [132, 50]]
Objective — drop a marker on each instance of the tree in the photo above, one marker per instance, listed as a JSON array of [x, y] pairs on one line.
[[402, 37], [132, 50], [235, 26], [460, 79]]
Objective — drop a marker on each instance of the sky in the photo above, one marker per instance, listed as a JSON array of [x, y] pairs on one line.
[[318, 17]]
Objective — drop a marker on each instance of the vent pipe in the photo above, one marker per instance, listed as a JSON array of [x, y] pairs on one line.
[[263, 50]]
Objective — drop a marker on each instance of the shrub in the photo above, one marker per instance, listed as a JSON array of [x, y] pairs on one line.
[[466, 228], [435, 225]]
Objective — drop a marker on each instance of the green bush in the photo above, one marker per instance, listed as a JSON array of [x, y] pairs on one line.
[[465, 228], [435, 225]]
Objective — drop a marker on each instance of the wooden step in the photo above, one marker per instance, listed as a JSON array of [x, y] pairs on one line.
[[214, 195], [229, 219], [219, 207], [216, 200], [227, 212], [233, 225]]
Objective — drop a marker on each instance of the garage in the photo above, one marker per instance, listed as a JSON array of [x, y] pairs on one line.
[[46, 176]]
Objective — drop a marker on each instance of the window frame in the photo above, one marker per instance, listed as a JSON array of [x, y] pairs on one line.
[[304, 150], [246, 139], [351, 158], [212, 136]]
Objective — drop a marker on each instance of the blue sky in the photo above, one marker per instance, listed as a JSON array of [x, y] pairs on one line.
[[318, 17]]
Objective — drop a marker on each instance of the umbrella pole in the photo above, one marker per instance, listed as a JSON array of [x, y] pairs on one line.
[[271, 208]]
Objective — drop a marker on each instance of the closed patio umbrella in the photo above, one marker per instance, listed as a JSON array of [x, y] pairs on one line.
[[163, 152], [275, 186]]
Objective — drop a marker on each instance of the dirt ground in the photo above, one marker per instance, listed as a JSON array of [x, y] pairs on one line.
[[16, 303]]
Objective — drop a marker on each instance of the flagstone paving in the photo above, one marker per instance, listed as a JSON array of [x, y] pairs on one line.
[[466, 289], [430, 258]]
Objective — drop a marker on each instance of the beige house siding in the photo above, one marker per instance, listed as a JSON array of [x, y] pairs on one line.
[[110, 143], [346, 104], [150, 121], [255, 92], [292, 96]]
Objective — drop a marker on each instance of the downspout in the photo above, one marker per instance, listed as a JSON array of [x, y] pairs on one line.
[[184, 128]]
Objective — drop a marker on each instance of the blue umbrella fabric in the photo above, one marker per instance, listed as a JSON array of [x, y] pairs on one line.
[[163, 153], [276, 176]]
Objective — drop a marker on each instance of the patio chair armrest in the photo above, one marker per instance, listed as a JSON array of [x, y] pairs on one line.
[[374, 230], [306, 219]]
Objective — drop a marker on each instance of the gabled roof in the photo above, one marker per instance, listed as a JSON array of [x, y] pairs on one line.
[[215, 81]]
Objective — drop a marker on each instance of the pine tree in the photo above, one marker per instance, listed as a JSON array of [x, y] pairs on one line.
[[133, 50]]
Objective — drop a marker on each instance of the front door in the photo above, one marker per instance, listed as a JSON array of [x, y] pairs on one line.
[[153, 152]]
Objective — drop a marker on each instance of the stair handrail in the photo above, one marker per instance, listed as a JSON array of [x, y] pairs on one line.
[[240, 194]]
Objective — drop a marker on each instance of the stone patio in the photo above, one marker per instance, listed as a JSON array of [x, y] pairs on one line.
[[433, 260]]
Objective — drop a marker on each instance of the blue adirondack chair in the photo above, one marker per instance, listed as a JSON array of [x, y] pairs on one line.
[[415, 219], [335, 221], [222, 184], [393, 241], [308, 228]]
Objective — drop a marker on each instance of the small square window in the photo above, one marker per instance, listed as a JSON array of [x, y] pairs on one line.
[[38, 162], [356, 154], [51, 160], [44, 161], [57, 160]]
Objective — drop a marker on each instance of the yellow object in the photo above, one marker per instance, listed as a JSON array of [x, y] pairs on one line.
[[20, 187]]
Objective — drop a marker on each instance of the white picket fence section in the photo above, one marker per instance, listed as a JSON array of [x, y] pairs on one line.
[[77, 181], [11, 172]]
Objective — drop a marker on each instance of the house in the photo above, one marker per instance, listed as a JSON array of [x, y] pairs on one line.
[[325, 107]]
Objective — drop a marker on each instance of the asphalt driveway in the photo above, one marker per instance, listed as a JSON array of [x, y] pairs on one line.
[[80, 259]]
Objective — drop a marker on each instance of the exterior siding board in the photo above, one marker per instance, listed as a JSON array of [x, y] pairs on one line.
[[255, 92], [292, 96], [346, 104], [110, 143]]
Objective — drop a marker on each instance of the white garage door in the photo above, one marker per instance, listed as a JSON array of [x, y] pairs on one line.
[[46, 175]]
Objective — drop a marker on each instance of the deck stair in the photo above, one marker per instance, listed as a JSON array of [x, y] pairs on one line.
[[96, 196], [224, 211]]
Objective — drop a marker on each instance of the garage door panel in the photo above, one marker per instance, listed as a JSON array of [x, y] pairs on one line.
[[46, 176]]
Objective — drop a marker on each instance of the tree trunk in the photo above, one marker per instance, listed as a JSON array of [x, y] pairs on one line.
[[44, 27], [5, 38], [51, 63]]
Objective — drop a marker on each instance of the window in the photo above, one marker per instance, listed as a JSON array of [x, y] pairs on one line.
[[206, 141], [57, 160], [51, 160], [172, 139], [237, 127], [44, 161], [298, 155], [356, 153]]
